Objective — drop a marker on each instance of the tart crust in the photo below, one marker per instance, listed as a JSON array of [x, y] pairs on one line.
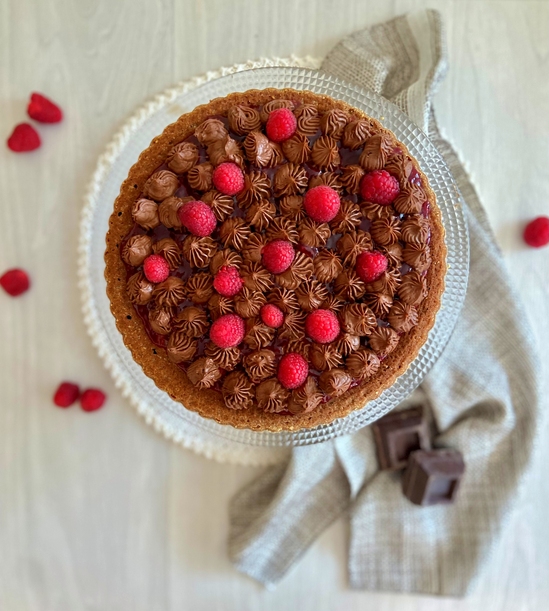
[[168, 376]]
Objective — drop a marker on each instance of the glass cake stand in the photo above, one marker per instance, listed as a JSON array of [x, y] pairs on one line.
[[171, 417]]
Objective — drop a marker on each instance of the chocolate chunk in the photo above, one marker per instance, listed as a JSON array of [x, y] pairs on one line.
[[433, 477], [399, 433]]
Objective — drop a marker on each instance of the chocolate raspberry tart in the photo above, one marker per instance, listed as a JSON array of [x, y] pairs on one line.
[[275, 259]]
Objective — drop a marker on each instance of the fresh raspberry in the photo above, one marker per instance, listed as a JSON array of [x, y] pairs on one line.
[[272, 315], [15, 282], [536, 233], [227, 281], [379, 187], [92, 399], [23, 138], [227, 331], [66, 394], [321, 203], [156, 268], [281, 124], [198, 218], [43, 110], [322, 326], [277, 256], [228, 178], [371, 265], [293, 370]]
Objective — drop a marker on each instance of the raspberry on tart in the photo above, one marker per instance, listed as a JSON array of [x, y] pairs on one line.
[[198, 218], [228, 178], [277, 256], [322, 203], [272, 315], [281, 124], [379, 187], [371, 265], [156, 268], [275, 260], [227, 331], [322, 326], [293, 370], [227, 281]]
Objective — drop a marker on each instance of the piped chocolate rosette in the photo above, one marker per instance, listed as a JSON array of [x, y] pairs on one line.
[[280, 254]]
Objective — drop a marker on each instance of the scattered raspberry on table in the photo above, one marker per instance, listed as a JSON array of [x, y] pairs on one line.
[[15, 282], [66, 394], [42, 109], [92, 399], [536, 233], [24, 139]]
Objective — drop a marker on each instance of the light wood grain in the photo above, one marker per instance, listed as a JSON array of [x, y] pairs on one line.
[[98, 512]]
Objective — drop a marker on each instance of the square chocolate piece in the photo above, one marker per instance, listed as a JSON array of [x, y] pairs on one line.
[[398, 434], [433, 477]]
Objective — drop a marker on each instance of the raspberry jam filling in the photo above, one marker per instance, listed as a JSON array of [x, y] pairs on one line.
[[396, 231]]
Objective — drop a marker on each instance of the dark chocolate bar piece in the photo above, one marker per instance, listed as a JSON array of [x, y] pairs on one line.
[[398, 434], [433, 477]]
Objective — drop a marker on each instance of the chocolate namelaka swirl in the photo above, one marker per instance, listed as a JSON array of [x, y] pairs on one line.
[[261, 151], [237, 391], [170, 293], [203, 372], [145, 213], [222, 205], [381, 320], [140, 290], [168, 249], [225, 150], [200, 176], [260, 365], [308, 119], [160, 320], [192, 321], [362, 364], [383, 340], [136, 250], [258, 335], [271, 396], [161, 184], [243, 119], [224, 258], [210, 131], [226, 358], [330, 179], [182, 157], [181, 348], [168, 211], [335, 382], [306, 398]]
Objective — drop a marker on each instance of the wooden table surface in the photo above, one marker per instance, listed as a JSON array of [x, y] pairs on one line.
[[97, 511]]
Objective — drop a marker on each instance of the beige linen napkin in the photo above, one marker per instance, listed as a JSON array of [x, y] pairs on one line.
[[483, 392]]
